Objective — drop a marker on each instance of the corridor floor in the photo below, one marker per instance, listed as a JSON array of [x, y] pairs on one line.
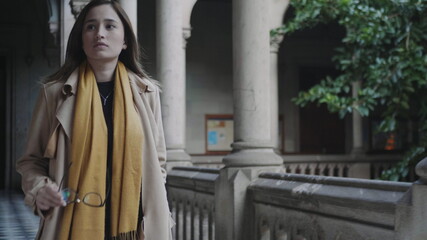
[[16, 219]]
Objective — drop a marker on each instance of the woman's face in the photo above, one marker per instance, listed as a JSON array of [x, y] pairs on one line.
[[103, 34]]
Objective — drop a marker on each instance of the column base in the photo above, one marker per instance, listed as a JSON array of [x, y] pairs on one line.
[[233, 208], [177, 158], [253, 157]]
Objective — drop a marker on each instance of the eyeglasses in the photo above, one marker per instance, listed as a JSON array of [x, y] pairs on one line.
[[92, 199]]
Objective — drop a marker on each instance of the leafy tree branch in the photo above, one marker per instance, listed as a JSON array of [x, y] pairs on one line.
[[385, 50]]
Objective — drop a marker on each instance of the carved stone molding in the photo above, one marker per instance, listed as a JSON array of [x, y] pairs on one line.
[[77, 6]]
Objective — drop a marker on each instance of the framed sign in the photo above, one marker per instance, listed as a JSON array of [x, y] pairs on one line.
[[219, 134]]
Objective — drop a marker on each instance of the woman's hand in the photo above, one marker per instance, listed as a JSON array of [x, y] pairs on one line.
[[48, 197]]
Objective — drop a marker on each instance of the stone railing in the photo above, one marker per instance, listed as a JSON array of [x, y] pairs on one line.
[[353, 166], [191, 198], [283, 206], [290, 206]]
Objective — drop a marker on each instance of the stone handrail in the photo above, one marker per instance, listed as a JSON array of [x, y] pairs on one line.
[[295, 206], [192, 202], [283, 206]]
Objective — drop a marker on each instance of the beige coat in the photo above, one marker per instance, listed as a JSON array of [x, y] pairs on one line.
[[49, 145]]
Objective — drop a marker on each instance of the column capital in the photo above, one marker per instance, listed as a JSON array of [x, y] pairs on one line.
[[54, 30], [186, 34], [275, 42], [77, 6]]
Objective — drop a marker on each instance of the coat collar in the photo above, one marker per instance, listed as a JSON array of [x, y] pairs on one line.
[[70, 86], [65, 111]]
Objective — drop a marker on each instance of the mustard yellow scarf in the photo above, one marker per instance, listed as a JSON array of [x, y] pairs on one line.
[[89, 160]]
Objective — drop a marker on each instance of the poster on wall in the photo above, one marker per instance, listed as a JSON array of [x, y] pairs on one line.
[[219, 133]]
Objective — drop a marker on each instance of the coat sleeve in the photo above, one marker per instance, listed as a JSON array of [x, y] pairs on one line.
[[32, 166], [160, 143]]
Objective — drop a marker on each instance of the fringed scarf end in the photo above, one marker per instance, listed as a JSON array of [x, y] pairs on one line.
[[132, 235]]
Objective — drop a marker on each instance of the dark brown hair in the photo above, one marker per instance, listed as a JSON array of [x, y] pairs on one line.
[[131, 56]]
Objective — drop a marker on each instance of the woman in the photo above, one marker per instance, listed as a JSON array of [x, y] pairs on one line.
[[94, 163]]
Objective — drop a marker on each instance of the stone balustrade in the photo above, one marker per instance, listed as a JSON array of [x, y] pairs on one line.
[[283, 206], [191, 198], [290, 206], [353, 166]]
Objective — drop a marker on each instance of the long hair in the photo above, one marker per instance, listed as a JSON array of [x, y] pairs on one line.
[[131, 56]]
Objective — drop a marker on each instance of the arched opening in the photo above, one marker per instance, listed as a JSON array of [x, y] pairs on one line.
[[305, 58], [209, 69]]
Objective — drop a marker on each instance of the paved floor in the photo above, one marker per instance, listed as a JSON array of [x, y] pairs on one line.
[[16, 219]]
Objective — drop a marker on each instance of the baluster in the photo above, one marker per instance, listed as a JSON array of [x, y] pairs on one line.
[[281, 233], [372, 169], [336, 171], [298, 170], [307, 170], [196, 222], [204, 224], [188, 220], [300, 234], [180, 220], [380, 170], [317, 170], [264, 230], [326, 170], [212, 222], [174, 216], [345, 171], [341, 167]]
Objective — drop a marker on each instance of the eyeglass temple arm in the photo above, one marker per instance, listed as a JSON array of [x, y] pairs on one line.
[[65, 174]]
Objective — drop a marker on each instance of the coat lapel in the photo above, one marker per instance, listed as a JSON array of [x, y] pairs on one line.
[[65, 110]]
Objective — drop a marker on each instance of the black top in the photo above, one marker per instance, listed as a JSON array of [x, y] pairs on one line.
[[106, 91]]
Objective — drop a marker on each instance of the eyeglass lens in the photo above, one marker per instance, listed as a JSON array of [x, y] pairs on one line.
[[92, 199]]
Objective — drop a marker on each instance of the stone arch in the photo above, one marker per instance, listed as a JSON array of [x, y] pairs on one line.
[[209, 69], [307, 54]]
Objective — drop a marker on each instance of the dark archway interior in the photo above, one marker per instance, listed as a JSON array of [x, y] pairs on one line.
[[311, 51], [3, 122]]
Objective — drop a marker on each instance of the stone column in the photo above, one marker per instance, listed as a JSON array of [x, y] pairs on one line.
[[277, 12], [66, 24], [131, 9], [251, 86], [171, 73], [252, 147], [274, 94], [357, 124]]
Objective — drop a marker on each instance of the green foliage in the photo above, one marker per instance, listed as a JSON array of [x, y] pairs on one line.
[[401, 170], [384, 50]]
